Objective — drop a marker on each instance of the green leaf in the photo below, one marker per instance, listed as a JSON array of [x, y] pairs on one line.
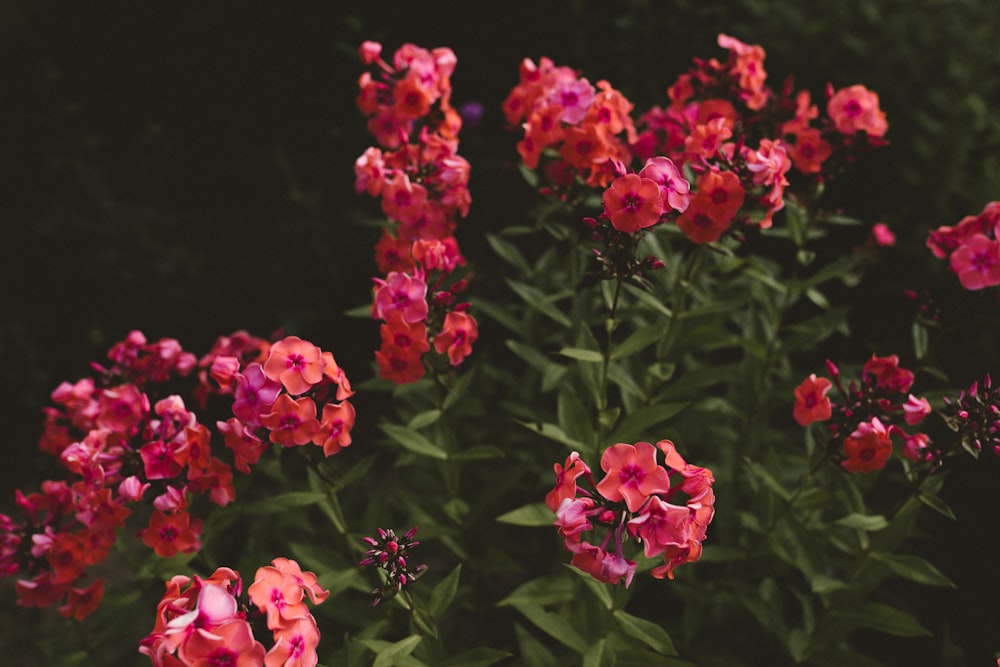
[[444, 592], [423, 419], [509, 253], [424, 621], [766, 479], [458, 388], [582, 355], [649, 633], [477, 657], [553, 432], [284, 501], [884, 618], [529, 175], [920, 340], [648, 299], [935, 504], [535, 514], [600, 590], [541, 591], [532, 355], [597, 655], [541, 302], [553, 625], [913, 568], [638, 424], [478, 453], [388, 655], [413, 441], [638, 340], [866, 522]]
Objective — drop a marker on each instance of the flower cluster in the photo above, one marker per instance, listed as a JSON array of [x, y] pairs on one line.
[[277, 392], [975, 416], [117, 440], [972, 247], [122, 441], [863, 420], [636, 498], [580, 128], [203, 622], [390, 554], [423, 184], [724, 127]]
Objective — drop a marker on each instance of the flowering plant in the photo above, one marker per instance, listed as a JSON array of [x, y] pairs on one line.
[[679, 278]]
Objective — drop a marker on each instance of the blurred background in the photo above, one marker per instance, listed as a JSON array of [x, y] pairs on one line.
[[187, 169]]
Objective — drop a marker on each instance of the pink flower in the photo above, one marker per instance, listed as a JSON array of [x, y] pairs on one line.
[[856, 109], [661, 525], [255, 394], [574, 96], [977, 262], [458, 333], [292, 422], [887, 373], [916, 447], [603, 565], [915, 409], [633, 203], [674, 188], [573, 516], [335, 426], [277, 595], [296, 363], [868, 448], [811, 401], [632, 474], [401, 293], [566, 476], [882, 235], [294, 644]]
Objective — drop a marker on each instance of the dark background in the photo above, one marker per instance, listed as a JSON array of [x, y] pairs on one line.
[[187, 169]]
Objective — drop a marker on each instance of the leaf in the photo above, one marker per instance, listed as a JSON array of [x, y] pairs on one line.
[[637, 424], [582, 355], [476, 657], [624, 379], [648, 299], [444, 592], [886, 619], [478, 453], [541, 302], [639, 340], [597, 655], [532, 355], [422, 419], [553, 432], [535, 514], [509, 253], [765, 477], [284, 501], [599, 589], [649, 633], [866, 522], [541, 591], [553, 625], [389, 654], [913, 568], [424, 621], [935, 504], [413, 441]]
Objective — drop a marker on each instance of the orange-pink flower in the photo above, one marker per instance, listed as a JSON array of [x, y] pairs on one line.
[[291, 422], [296, 363], [811, 401], [632, 474], [633, 203]]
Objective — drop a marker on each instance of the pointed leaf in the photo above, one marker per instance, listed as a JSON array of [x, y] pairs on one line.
[[582, 355], [913, 568], [885, 619], [553, 625], [638, 340], [649, 633], [284, 501], [535, 514], [444, 592], [413, 441]]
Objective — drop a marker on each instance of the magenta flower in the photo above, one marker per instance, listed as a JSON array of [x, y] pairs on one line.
[[977, 262], [632, 474], [255, 394]]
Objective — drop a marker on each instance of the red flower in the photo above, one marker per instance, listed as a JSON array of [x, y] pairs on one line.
[[811, 401], [868, 448]]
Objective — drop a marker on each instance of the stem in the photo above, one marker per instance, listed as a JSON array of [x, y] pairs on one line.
[[609, 327]]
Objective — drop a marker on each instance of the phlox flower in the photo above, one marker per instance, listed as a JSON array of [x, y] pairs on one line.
[[170, 534], [335, 426], [231, 644], [632, 474], [809, 150], [278, 595], [458, 333], [882, 235], [915, 409], [916, 447], [574, 97], [254, 395], [706, 139], [887, 374], [333, 372], [661, 525], [633, 203], [295, 363], [811, 400], [294, 644], [81, 602], [856, 109], [403, 200], [868, 448], [292, 421], [573, 516], [674, 188], [122, 408], [604, 565], [977, 262], [399, 365], [245, 445], [401, 293], [699, 221], [566, 476]]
